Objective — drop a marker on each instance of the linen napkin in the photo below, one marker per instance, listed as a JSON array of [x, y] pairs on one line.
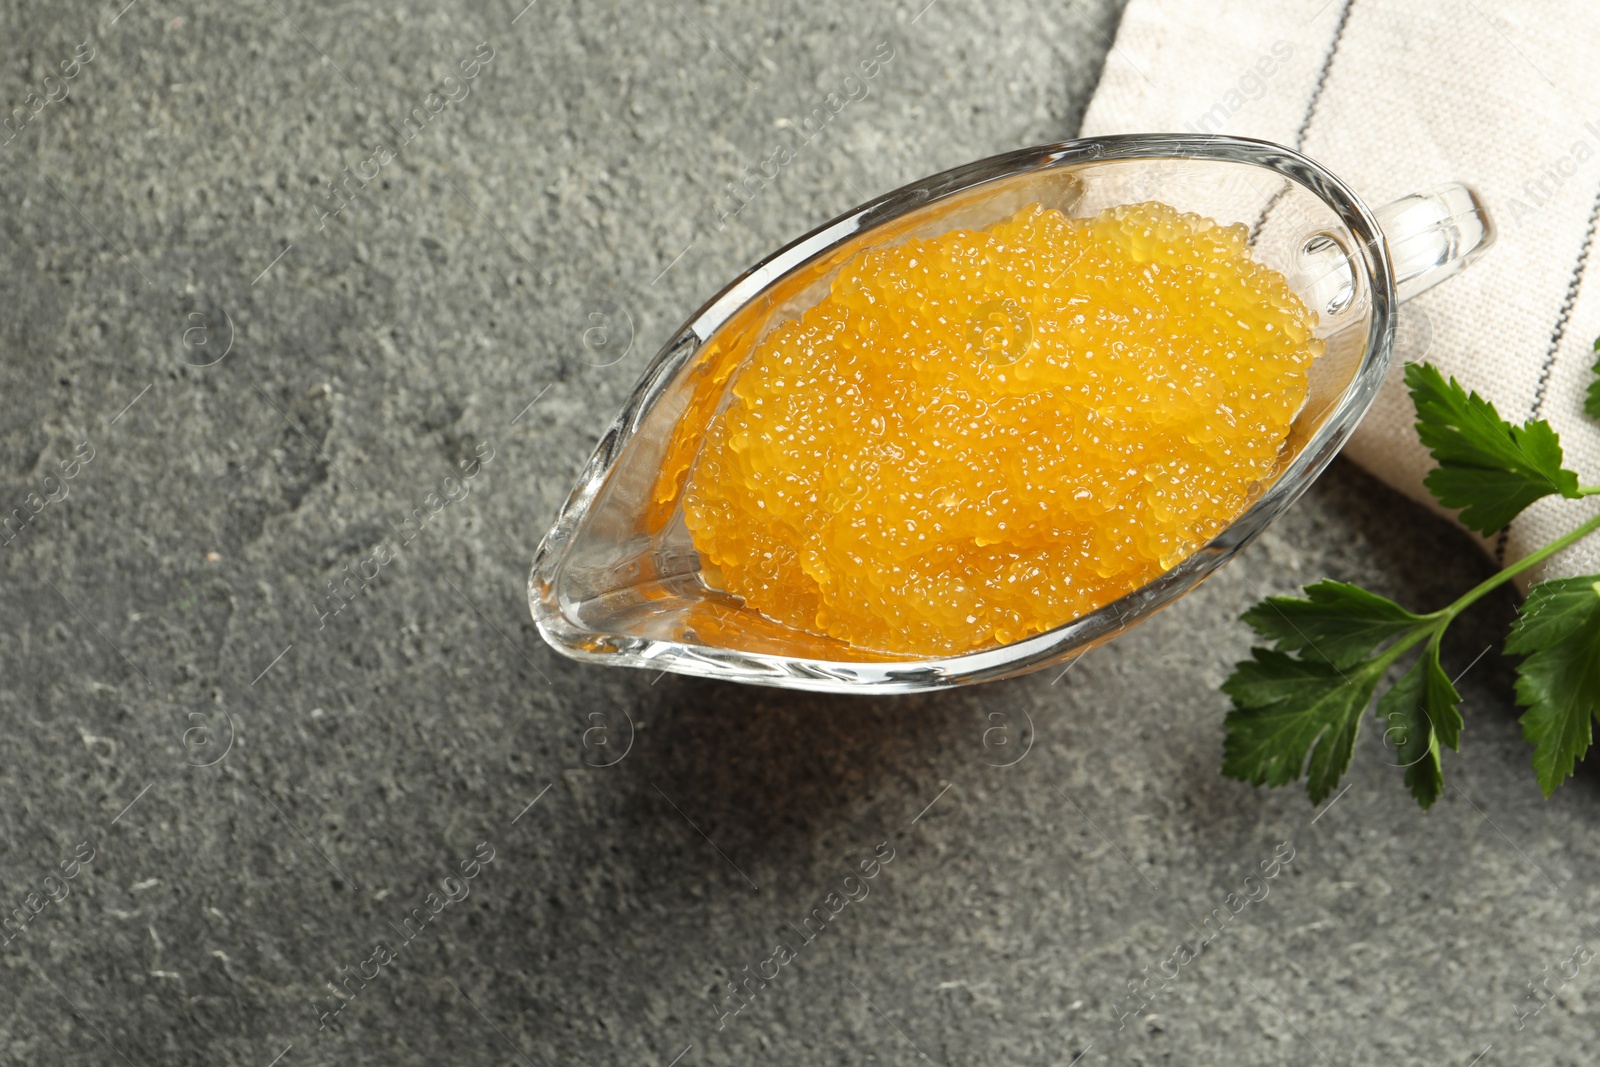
[[1397, 96]]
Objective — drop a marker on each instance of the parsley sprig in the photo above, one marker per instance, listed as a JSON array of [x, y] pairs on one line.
[[1299, 701], [1592, 401]]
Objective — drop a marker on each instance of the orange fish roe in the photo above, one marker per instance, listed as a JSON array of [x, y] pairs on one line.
[[987, 434]]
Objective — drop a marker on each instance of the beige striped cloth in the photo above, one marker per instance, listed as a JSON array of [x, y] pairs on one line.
[[1397, 96]]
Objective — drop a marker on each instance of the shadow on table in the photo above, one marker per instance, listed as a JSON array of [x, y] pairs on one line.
[[770, 775]]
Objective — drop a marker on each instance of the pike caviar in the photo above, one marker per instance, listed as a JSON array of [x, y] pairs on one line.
[[984, 435]]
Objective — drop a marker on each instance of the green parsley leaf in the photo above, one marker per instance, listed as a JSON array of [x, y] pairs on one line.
[[1489, 468], [1285, 709], [1553, 611], [1335, 622], [1558, 629], [1419, 714], [1592, 403], [1297, 706]]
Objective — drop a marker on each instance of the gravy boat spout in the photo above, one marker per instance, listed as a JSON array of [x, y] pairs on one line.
[[618, 580]]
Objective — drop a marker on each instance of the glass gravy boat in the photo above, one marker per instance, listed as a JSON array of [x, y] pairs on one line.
[[617, 579]]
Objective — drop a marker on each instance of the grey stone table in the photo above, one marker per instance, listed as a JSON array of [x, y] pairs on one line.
[[274, 271]]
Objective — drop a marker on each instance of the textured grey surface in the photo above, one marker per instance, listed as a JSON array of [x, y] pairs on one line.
[[268, 794]]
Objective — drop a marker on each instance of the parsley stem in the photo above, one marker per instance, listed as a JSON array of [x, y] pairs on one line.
[[1589, 490], [1435, 627], [1533, 559]]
